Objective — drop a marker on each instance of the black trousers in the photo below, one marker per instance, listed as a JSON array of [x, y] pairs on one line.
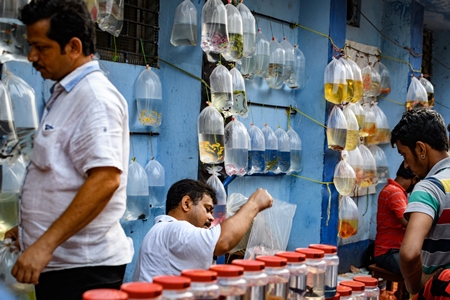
[[70, 284]]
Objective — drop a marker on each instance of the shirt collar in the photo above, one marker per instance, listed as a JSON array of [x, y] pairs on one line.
[[73, 78], [393, 182], [164, 218], [439, 166]]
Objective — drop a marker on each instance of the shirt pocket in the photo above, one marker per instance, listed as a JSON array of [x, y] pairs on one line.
[[45, 145]]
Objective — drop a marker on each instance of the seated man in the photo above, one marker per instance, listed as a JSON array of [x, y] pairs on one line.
[[392, 202], [182, 239]]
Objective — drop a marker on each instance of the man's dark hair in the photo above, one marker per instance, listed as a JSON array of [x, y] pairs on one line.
[[421, 125], [68, 19], [187, 187], [404, 172]]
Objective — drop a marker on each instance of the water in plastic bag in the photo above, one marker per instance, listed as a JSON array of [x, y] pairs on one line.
[[289, 66], [236, 148], [382, 132], [416, 95], [184, 30], [271, 149], [247, 67], [335, 82], [9, 143], [349, 79], [240, 106], [262, 54], [156, 176], [110, 16], [221, 83], [371, 81], [370, 121], [299, 70], [360, 116], [13, 35], [348, 217], [370, 177], [295, 144], [277, 63], [336, 129], [256, 161], [214, 27], [25, 112], [352, 129], [235, 47], [429, 88], [381, 162], [344, 176], [210, 127], [249, 29], [284, 151], [148, 94], [385, 76], [214, 182], [355, 160], [138, 206], [357, 81]]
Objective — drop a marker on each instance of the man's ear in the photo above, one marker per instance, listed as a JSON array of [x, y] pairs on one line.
[[74, 47], [186, 203]]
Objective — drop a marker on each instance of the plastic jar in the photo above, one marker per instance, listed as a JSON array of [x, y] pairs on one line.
[[336, 297], [357, 288], [278, 274], [203, 283], [372, 291], [105, 294], [142, 290], [315, 280], [174, 287], [345, 292], [231, 282], [332, 261], [255, 277], [298, 270]]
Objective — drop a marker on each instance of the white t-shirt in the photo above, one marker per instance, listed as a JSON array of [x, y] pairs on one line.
[[85, 125], [172, 246]]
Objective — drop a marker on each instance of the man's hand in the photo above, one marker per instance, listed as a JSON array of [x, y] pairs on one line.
[[31, 262], [13, 234], [261, 198]]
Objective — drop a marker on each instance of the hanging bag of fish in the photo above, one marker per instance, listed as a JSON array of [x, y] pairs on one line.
[[25, 113], [247, 67], [156, 176], [382, 132], [336, 129], [236, 148], [284, 151], [429, 88], [110, 16], [249, 29], [355, 160], [370, 177], [295, 144], [184, 30], [271, 152], [348, 217], [277, 61], [240, 106], [352, 129], [235, 34], [9, 143], [148, 94], [299, 69], [349, 79], [381, 161], [385, 77], [262, 54], [214, 27], [210, 128], [289, 66], [344, 176], [256, 161], [357, 81], [370, 121], [335, 82], [214, 182], [360, 116], [416, 95], [138, 206], [221, 85], [371, 81]]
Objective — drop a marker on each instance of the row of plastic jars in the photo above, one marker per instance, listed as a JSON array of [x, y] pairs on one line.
[[362, 288]]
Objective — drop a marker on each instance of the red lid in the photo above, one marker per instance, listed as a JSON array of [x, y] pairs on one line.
[[172, 282], [227, 270], [142, 290], [200, 275], [328, 249], [335, 297], [344, 290], [249, 265], [272, 261], [354, 285], [368, 281], [292, 257], [105, 294], [311, 253]]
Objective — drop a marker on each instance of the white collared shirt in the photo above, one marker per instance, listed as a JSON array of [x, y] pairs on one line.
[[84, 126]]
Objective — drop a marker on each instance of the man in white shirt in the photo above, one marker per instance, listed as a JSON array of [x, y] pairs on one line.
[[182, 239]]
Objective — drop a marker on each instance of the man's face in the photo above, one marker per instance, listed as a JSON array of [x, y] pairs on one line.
[[45, 53], [412, 161], [201, 215]]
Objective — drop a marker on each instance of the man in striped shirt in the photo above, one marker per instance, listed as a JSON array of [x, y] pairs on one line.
[[421, 139]]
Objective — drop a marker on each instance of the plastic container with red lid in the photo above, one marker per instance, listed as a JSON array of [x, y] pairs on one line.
[[230, 279], [203, 283], [357, 288], [278, 274], [298, 271], [142, 290], [332, 261], [315, 279], [345, 292], [105, 294], [255, 276], [336, 297], [372, 290], [174, 287]]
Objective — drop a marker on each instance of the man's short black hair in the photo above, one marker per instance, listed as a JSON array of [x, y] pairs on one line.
[[188, 187], [68, 19], [404, 172]]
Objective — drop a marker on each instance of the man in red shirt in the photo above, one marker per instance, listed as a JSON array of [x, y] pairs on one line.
[[391, 224]]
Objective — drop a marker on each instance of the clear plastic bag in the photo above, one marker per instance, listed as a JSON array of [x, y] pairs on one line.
[[382, 164], [344, 177], [110, 16], [385, 76], [360, 116], [416, 95], [210, 127], [284, 151], [234, 203], [221, 83], [214, 182], [271, 149], [429, 88], [148, 94], [249, 28], [349, 79], [236, 148], [336, 129], [348, 217], [382, 131], [240, 106], [299, 69], [138, 206], [13, 35], [357, 81], [256, 162], [184, 30], [355, 160], [156, 177], [352, 129], [262, 54], [371, 81], [335, 82], [370, 121], [214, 27], [289, 66], [235, 47], [9, 143], [370, 177], [271, 229], [296, 151], [277, 63], [92, 6]]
